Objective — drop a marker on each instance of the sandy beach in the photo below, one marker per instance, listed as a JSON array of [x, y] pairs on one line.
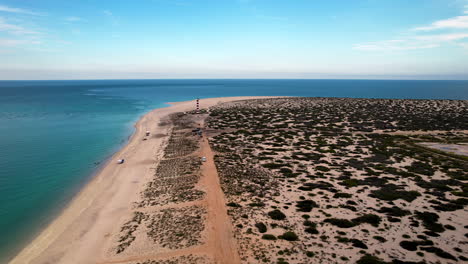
[[83, 232]]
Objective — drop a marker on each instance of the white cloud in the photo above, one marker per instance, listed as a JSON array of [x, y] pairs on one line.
[[15, 29], [459, 22], [24, 35], [419, 40], [16, 42], [394, 45], [17, 10], [442, 37], [411, 43], [10, 42]]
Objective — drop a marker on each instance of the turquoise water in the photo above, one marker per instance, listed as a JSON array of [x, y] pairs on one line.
[[55, 134]]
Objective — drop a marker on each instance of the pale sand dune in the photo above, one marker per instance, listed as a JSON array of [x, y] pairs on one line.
[[81, 232]]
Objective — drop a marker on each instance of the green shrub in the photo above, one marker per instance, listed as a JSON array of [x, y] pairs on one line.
[[269, 237], [311, 230], [394, 211], [430, 221], [342, 195], [306, 205], [261, 227], [289, 236], [276, 215], [322, 168], [439, 252], [372, 219], [358, 243], [273, 166], [257, 204], [413, 245], [311, 227], [342, 223], [368, 259], [350, 182], [421, 168], [380, 239], [391, 192], [343, 239]]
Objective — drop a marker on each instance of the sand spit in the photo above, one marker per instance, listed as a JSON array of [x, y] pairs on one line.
[[284, 180], [106, 213]]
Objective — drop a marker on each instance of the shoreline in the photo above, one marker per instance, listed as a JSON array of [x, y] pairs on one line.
[[26, 250], [84, 225]]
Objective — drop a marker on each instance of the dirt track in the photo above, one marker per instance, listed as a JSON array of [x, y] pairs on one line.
[[220, 236]]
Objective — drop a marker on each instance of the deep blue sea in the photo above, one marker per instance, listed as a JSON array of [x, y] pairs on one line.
[[55, 134]]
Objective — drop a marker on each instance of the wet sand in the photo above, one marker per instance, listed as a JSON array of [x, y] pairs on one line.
[[458, 149]]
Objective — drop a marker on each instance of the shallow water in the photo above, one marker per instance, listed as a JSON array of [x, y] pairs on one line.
[[458, 149], [54, 134]]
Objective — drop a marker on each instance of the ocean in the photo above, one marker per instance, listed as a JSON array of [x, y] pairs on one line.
[[55, 134]]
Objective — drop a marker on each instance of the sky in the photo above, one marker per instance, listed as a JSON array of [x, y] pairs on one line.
[[151, 39]]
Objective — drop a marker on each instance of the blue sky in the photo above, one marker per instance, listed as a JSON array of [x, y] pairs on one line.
[[371, 39]]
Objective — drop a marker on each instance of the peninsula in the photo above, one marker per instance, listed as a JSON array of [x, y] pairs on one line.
[[276, 180]]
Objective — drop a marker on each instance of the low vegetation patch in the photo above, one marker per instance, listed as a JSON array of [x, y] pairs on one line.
[[261, 227], [371, 219], [306, 205], [289, 236], [276, 215], [269, 237], [391, 192], [413, 245]]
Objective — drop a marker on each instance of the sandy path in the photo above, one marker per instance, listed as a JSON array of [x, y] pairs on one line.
[[221, 239], [220, 242], [82, 231]]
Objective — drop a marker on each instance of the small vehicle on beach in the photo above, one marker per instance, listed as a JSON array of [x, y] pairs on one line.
[[120, 161]]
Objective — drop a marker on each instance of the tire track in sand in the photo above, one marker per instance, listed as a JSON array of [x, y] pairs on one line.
[[220, 237]]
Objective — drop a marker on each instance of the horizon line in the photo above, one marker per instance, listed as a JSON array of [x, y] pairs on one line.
[[155, 79]]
